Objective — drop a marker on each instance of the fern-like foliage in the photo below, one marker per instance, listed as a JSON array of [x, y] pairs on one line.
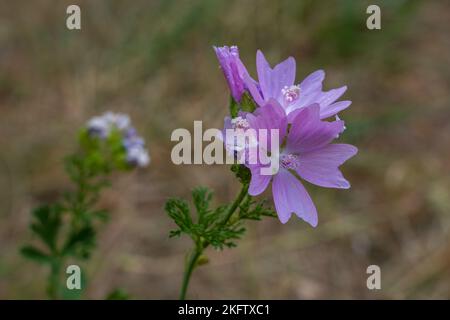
[[208, 227]]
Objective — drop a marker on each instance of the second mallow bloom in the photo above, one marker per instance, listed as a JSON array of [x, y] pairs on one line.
[[279, 83], [307, 153]]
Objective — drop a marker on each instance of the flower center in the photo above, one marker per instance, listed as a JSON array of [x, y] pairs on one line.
[[240, 123], [291, 93], [289, 161]]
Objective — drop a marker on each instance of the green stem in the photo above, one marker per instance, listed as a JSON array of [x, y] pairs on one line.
[[235, 204], [53, 282], [192, 262], [190, 265]]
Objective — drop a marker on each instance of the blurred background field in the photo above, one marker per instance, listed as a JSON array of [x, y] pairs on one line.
[[154, 60]]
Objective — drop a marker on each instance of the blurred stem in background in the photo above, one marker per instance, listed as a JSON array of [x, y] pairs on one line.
[[67, 229], [53, 282]]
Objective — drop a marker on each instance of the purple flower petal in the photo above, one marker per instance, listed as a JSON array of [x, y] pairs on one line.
[[278, 83], [334, 108], [283, 75], [264, 74], [309, 133], [258, 182], [291, 196], [253, 89], [233, 69], [227, 123], [272, 81], [327, 98], [313, 82], [270, 116], [306, 99], [320, 167], [324, 99]]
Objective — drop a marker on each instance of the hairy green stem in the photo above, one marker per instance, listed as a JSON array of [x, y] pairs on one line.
[[191, 263]]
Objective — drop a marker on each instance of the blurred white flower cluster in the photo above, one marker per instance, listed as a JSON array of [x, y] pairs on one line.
[[102, 126]]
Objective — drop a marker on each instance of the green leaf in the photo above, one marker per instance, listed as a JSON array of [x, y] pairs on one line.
[[178, 210], [35, 254], [253, 210], [80, 242], [223, 236], [247, 103], [234, 107], [201, 197], [118, 294], [47, 222], [87, 141], [214, 217], [209, 229], [174, 233]]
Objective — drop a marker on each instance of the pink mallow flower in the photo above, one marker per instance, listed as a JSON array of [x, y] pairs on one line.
[[279, 84], [306, 152]]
